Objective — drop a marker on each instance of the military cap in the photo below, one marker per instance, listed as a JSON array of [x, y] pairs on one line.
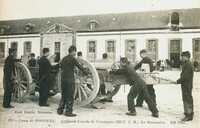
[[143, 51], [186, 54]]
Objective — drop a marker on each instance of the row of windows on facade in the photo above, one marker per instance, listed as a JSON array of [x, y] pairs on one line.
[[130, 48], [151, 46], [27, 47]]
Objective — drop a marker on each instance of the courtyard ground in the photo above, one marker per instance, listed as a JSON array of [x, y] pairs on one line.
[[111, 115]]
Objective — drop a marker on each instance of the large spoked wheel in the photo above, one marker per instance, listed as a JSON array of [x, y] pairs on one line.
[[86, 86], [23, 81]]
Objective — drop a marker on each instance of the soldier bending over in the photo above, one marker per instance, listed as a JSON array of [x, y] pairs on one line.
[[138, 86]]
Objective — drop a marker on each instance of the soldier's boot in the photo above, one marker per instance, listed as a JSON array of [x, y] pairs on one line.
[[70, 114], [155, 114], [60, 111], [132, 112], [188, 117], [8, 106]]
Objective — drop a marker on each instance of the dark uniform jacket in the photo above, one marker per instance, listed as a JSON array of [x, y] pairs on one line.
[[186, 77], [9, 69], [68, 64], [32, 62], [44, 69], [132, 77], [145, 60]]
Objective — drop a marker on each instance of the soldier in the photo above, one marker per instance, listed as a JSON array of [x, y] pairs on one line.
[[9, 76], [44, 78], [145, 60], [138, 85], [186, 81], [32, 62], [68, 65]]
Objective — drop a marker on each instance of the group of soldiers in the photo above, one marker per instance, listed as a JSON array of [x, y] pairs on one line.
[[139, 89]]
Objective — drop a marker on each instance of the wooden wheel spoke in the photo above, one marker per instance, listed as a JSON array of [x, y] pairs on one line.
[[90, 81], [75, 91], [88, 91], [17, 74], [18, 93], [23, 87], [15, 92], [83, 92], [79, 94], [23, 82]]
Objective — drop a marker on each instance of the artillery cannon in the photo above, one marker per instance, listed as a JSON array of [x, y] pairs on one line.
[[87, 88]]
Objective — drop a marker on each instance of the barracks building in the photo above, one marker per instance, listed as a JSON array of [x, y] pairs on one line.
[[165, 34]]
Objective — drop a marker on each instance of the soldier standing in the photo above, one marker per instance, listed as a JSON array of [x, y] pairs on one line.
[[186, 81], [138, 86], [68, 65], [9, 75], [145, 60], [44, 78], [32, 62]]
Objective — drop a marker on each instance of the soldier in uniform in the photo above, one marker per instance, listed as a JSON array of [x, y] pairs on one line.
[[145, 60], [186, 81], [138, 86], [44, 78], [32, 62], [68, 65], [9, 76]]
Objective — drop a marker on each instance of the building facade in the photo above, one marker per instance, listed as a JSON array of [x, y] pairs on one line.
[[165, 34]]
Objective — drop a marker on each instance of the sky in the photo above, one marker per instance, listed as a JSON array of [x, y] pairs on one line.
[[20, 9]]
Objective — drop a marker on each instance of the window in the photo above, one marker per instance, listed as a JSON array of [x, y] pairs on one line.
[[27, 47], [130, 50], [14, 45], [196, 49], [91, 55], [174, 21], [175, 18], [57, 47], [92, 24], [92, 46], [110, 49], [152, 48], [2, 50], [175, 49]]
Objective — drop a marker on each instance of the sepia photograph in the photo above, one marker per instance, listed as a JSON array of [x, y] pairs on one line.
[[99, 63]]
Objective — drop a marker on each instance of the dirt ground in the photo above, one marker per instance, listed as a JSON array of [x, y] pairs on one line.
[[169, 100]]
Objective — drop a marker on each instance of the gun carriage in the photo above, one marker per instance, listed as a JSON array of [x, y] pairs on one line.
[[88, 87]]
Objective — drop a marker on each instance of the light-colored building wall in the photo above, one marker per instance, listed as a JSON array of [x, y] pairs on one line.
[[141, 37], [65, 40], [20, 39]]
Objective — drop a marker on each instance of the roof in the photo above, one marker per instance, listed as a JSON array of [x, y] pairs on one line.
[[190, 18]]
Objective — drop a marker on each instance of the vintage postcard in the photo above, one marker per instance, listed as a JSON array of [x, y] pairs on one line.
[[99, 64]]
